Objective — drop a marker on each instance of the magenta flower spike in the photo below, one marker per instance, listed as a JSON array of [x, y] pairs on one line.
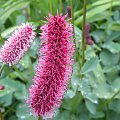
[[54, 66], [17, 44]]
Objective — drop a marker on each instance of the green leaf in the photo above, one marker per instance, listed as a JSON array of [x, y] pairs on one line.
[[70, 93], [10, 9], [109, 68], [115, 27], [85, 88], [103, 91], [8, 31], [107, 58], [90, 106], [96, 10], [73, 102], [94, 4], [23, 113], [97, 35], [113, 36], [34, 47], [7, 3], [6, 100], [26, 61], [99, 2], [99, 17], [75, 78], [20, 74], [116, 84], [63, 116], [78, 36], [83, 112], [115, 105], [21, 92], [6, 91], [12, 117], [97, 115], [20, 19], [113, 115], [97, 72], [116, 15], [9, 86], [89, 65], [112, 47]]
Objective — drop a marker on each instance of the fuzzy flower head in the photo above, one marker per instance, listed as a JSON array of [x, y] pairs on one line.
[[17, 44], [54, 66]]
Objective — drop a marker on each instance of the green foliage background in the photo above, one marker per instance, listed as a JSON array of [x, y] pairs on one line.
[[96, 96]]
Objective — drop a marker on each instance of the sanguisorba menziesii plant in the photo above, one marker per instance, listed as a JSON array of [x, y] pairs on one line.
[[54, 66], [17, 44]]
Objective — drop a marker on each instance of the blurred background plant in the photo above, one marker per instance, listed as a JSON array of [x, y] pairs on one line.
[[93, 92]]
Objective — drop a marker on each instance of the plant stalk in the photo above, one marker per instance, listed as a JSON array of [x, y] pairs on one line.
[[72, 21], [1, 69], [50, 6], [72, 17], [83, 33], [1, 116], [60, 6], [40, 118]]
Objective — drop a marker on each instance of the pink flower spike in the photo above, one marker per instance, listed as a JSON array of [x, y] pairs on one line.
[[54, 67], [17, 44]]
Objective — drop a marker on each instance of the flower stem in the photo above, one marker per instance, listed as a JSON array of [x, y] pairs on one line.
[[40, 118], [60, 6], [50, 6], [83, 33], [1, 69], [72, 16], [72, 21], [1, 116]]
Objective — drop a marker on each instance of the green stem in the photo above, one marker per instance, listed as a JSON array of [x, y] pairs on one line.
[[72, 16], [83, 33], [40, 118], [107, 113], [60, 6], [72, 21], [1, 116], [1, 69], [0, 36], [50, 6]]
